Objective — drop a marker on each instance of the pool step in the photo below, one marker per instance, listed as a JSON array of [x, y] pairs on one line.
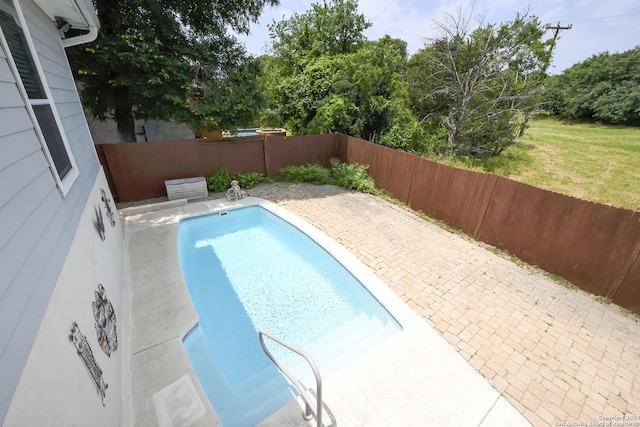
[[262, 393], [335, 349], [248, 403]]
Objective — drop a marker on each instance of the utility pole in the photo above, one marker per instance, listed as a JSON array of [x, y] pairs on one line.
[[556, 30]]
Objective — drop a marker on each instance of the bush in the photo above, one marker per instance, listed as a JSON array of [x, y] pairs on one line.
[[312, 173], [291, 174], [248, 180], [352, 176], [220, 181], [436, 141], [409, 137]]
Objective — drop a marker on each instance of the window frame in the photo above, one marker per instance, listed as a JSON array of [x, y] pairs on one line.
[[63, 184]]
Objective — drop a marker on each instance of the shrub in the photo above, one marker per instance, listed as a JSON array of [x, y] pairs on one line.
[[219, 181], [312, 173], [248, 180], [291, 173], [408, 137], [352, 176]]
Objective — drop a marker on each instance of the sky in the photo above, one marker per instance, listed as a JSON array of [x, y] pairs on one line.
[[597, 26]]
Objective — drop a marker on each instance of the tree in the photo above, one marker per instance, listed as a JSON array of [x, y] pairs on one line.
[[306, 73], [149, 54], [326, 29], [476, 83], [324, 76], [231, 102], [353, 93], [605, 87]]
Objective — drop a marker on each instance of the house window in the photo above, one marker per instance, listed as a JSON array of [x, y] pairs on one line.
[[28, 70]]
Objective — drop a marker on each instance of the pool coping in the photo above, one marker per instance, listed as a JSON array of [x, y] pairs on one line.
[[414, 377]]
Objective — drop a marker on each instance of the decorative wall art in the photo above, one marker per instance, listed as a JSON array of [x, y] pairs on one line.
[[100, 224], [84, 351], [107, 203], [105, 322]]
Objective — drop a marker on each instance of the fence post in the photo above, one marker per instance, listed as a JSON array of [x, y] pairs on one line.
[[265, 150]]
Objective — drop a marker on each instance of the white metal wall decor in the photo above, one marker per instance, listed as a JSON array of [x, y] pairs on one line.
[[100, 224], [84, 351], [105, 322], [107, 203]]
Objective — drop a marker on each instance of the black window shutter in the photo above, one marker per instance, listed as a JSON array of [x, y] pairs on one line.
[[21, 54]]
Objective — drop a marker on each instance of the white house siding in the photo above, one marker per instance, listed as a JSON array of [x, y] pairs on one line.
[[37, 229], [55, 388]]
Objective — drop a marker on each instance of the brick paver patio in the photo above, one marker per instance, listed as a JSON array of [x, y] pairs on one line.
[[558, 355]]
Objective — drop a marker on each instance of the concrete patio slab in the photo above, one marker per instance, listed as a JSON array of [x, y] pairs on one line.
[[162, 309], [178, 404], [155, 369], [502, 414], [412, 379], [416, 377]]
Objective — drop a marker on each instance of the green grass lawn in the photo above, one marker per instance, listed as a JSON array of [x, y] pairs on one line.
[[593, 162]]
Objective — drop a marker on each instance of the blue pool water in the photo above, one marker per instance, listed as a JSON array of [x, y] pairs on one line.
[[245, 132], [248, 270]]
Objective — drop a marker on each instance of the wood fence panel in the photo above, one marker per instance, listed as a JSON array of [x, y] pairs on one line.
[[581, 241], [527, 224], [541, 224], [598, 249], [139, 170], [102, 158], [459, 198], [423, 191], [514, 211], [343, 146], [239, 155], [628, 293], [466, 199], [281, 151], [390, 169]]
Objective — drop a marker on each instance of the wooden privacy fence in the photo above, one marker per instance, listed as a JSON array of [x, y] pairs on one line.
[[137, 171], [594, 246]]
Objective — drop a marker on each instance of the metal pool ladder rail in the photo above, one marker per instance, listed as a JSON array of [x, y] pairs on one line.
[[308, 412]]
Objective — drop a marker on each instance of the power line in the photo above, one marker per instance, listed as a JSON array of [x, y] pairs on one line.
[[601, 18], [598, 18]]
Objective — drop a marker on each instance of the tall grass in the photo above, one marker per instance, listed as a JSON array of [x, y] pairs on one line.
[[593, 162]]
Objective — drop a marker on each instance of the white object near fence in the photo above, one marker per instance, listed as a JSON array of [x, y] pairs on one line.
[[186, 188]]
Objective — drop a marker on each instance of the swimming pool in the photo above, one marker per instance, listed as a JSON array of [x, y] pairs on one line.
[[246, 269]]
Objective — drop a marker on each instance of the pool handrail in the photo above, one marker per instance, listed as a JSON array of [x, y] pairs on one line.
[[309, 411]]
